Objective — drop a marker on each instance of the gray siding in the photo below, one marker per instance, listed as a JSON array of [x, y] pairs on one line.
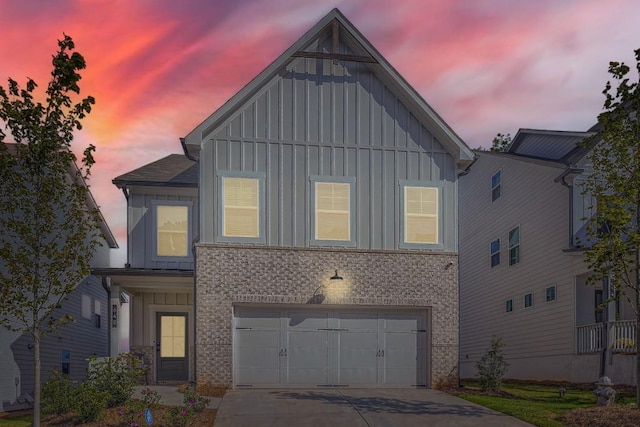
[[81, 337], [317, 118], [141, 225], [531, 199]]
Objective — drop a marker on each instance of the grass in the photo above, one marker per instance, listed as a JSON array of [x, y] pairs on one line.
[[23, 420], [537, 403]]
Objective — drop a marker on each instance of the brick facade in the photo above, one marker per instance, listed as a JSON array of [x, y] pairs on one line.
[[228, 275]]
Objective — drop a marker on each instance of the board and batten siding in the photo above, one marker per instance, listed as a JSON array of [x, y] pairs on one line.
[[321, 119], [532, 200], [141, 225], [143, 321]]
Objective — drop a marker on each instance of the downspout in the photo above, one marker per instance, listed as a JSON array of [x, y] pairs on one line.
[[106, 284], [195, 312], [125, 191]]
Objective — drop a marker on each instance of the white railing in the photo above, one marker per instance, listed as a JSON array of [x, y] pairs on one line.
[[622, 337]]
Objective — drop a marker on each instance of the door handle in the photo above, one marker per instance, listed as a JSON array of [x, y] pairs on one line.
[[157, 345]]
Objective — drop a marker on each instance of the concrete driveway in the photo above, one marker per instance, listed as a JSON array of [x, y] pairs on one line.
[[354, 408]]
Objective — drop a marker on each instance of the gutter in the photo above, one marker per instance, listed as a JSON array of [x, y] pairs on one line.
[[183, 143]]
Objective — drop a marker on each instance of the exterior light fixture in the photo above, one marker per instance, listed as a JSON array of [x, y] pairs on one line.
[[336, 276]]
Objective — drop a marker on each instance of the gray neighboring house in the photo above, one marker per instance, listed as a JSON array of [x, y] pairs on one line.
[[522, 275], [68, 348], [328, 241]]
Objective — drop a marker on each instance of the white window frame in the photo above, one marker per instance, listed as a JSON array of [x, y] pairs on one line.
[[439, 244], [555, 293], [524, 300], [514, 246], [497, 186], [494, 253], [154, 240], [260, 177], [351, 181]]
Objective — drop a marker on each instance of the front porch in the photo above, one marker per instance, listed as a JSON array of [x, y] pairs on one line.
[[619, 336]]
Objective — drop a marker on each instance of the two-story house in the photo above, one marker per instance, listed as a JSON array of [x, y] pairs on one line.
[[522, 272], [328, 200], [68, 348], [323, 202]]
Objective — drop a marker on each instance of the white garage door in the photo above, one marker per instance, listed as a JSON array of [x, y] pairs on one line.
[[303, 347]]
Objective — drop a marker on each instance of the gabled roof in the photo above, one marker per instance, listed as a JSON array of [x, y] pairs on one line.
[[365, 53], [175, 170], [552, 145], [91, 202]]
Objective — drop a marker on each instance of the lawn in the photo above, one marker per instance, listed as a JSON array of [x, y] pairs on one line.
[[537, 403], [23, 420]]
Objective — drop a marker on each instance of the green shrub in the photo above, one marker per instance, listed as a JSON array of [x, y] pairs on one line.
[[90, 402], [58, 394], [115, 377], [180, 416], [133, 411], [492, 366]]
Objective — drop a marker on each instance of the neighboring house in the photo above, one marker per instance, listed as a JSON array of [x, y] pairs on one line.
[[68, 348], [522, 271], [328, 241]]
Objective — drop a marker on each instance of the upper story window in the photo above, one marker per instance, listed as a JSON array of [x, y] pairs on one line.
[[495, 252], [241, 216], [514, 246], [508, 306], [496, 184], [171, 230], [333, 210], [528, 300], [422, 215], [550, 293]]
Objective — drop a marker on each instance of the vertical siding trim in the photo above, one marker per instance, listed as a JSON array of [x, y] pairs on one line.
[[396, 202], [280, 109], [370, 196], [280, 194], [356, 105]]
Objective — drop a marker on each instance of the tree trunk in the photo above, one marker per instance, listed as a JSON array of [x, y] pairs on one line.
[[36, 373]]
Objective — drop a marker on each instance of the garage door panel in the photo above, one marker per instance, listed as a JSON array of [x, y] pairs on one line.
[[404, 322], [257, 339], [308, 320], [405, 340], [358, 349], [361, 321]]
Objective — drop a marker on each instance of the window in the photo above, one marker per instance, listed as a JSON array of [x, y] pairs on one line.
[[528, 300], [514, 246], [172, 234], [496, 181], [495, 252], [96, 316], [508, 306], [421, 214], [333, 213], [240, 210], [86, 307], [550, 293]]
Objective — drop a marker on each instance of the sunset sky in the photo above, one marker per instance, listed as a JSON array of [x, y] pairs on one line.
[[157, 68]]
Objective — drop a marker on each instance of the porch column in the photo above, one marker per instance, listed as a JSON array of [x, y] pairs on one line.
[[114, 321]]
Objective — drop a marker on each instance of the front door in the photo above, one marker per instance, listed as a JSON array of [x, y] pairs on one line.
[[172, 347]]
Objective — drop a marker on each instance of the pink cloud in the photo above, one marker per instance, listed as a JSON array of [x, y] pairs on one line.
[[159, 67]]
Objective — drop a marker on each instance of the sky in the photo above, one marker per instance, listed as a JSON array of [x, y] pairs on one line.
[[158, 68]]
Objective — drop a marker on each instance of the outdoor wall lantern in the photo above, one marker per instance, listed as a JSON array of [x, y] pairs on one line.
[[336, 276]]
